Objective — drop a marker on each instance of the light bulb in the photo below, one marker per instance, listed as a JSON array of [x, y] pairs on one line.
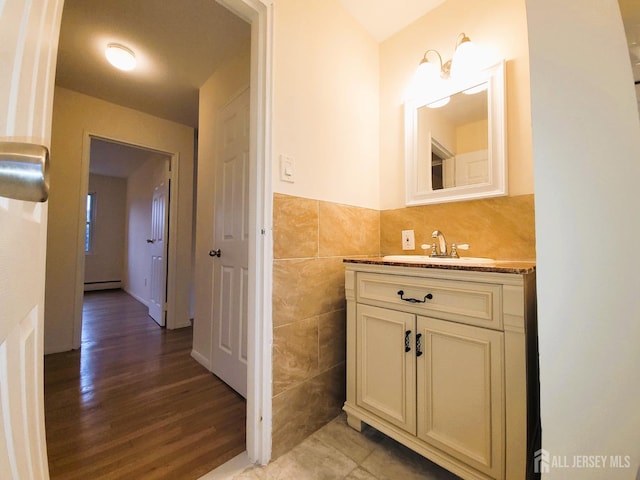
[[466, 59], [427, 74]]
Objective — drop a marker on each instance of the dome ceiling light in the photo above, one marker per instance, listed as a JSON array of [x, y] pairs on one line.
[[120, 57]]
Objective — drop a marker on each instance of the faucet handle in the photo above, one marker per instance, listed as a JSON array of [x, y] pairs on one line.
[[426, 246], [455, 248]]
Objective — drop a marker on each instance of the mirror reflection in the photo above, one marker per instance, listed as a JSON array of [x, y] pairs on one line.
[[453, 139]]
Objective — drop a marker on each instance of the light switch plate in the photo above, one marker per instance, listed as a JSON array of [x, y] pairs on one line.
[[408, 240], [287, 169]]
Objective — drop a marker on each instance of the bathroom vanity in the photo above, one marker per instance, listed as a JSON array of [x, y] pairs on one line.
[[443, 358]]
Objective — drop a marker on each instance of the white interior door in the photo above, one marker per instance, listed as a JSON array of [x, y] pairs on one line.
[[231, 246], [158, 248], [28, 34], [472, 168]]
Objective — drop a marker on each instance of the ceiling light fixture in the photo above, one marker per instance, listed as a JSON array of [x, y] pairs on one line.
[[120, 57]]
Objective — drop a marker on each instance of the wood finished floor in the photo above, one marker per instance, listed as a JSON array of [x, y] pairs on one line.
[[133, 404]]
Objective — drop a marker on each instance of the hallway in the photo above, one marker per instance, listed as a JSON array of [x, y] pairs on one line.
[[132, 403]]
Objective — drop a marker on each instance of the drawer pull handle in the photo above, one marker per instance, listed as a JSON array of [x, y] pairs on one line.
[[418, 344], [407, 341], [428, 296]]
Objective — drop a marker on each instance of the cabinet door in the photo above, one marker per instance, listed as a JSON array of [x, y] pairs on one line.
[[461, 392], [385, 370]]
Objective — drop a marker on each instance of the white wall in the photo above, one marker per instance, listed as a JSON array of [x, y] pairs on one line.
[[498, 27], [106, 260], [325, 103], [74, 115], [586, 146]]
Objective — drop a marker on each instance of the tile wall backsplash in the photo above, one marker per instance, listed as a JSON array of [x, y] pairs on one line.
[[311, 238], [502, 228]]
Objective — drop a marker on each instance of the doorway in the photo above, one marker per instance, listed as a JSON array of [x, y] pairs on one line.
[[258, 293], [34, 75], [127, 222], [113, 165]]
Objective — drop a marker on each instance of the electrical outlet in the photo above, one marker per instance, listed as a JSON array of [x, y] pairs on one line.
[[408, 240]]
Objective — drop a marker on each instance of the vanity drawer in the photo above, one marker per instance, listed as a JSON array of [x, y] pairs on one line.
[[465, 302]]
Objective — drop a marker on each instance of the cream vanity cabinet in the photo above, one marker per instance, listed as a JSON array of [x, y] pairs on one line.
[[437, 359]]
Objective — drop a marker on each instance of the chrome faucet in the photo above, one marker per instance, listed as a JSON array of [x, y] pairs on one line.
[[438, 249], [439, 246]]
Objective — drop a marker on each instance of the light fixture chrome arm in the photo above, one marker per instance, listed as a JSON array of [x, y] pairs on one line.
[[462, 38], [445, 67], [425, 59]]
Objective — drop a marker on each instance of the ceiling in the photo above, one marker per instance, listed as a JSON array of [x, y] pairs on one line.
[[180, 44], [118, 160], [383, 18]]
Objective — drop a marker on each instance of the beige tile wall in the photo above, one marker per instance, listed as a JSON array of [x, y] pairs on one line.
[[502, 228], [311, 238]]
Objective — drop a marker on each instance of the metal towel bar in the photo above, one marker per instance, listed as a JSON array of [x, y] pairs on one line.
[[24, 171]]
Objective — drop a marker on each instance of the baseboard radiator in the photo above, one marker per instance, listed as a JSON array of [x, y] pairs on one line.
[[108, 285]]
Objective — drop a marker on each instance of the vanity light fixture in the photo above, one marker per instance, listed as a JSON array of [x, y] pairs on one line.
[[464, 59], [120, 57], [432, 69]]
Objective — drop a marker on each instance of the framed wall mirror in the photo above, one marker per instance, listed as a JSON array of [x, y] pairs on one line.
[[455, 140]]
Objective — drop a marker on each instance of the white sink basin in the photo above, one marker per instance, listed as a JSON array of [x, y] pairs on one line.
[[438, 260]]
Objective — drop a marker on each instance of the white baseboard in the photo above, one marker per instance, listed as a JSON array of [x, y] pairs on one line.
[[137, 297], [49, 349], [181, 325], [201, 359]]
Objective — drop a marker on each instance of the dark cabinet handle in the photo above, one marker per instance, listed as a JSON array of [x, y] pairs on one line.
[[428, 296], [407, 341], [418, 344], [215, 253]]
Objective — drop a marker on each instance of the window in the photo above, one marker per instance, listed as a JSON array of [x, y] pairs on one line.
[[91, 217]]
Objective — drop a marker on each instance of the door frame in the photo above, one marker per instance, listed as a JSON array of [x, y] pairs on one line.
[[172, 253], [259, 13]]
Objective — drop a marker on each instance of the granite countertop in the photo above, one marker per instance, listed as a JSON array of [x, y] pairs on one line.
[[499, 266]]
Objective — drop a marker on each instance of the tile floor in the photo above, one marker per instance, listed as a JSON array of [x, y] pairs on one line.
[[337, 452]]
